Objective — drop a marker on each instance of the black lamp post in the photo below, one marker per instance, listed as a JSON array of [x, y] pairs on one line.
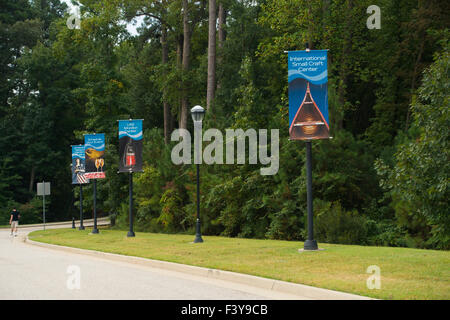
[[81, 208], [95, 229], [131, 232], [198, 113], [310, 243]]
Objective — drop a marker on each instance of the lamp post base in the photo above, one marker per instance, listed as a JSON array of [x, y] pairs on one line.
[[310, 245], [81, 228], [130, 234], [198, 235], [198, 239], [94, 231]]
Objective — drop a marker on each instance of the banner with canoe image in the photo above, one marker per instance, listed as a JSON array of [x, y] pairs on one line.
[[130, 145], [94, 149], [308, 95], [78, 165]]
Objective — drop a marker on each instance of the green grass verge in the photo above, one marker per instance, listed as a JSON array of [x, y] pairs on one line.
[[405, 273]]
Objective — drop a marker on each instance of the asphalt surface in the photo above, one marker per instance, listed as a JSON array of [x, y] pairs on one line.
[[31, 272]]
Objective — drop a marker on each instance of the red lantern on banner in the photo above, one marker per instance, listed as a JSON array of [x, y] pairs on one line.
[[130, 156]]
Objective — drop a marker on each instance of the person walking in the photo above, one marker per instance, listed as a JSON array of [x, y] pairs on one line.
[[14, 221]]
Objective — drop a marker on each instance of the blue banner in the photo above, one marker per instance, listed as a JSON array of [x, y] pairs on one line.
[[130, 145], [78, 152], [130, 128], [78, 165], [95, 141], [308, 94], [94, 149]]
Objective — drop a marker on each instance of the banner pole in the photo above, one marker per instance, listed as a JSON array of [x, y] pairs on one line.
[[95, 230], [43, 204], [131, 232], [44, 207], [81, 208], [310, 243]]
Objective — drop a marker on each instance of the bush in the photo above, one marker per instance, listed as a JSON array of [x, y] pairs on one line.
[[386, 233], [172, 217], [30, 212], [418, 182], [285, 225], [121, 218], [335, 225]]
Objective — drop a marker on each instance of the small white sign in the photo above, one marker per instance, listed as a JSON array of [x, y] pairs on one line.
[[43, 188]]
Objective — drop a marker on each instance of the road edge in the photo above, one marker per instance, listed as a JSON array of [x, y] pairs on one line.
[[100, 221], [240, 278]]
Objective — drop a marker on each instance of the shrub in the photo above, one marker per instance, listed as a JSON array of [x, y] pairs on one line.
[[30, 212], [335, 225], [386, 233]]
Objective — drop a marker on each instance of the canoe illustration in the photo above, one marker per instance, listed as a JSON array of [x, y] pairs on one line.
[[309, 122]]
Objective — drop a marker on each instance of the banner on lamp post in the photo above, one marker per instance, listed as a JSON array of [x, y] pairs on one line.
[[94, 149], [130, 145], [308, 95], [78, 165]]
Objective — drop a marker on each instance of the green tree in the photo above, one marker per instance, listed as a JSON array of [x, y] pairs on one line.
[[419, 180]]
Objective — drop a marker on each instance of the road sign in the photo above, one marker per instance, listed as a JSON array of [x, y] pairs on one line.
[[43, 188]]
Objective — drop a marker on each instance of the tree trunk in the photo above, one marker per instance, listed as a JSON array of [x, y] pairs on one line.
[[185, 67], [179, 50], [211, 86], [167, 113], [343, 74], [222, 23], [413, 80], [310, 32], [179, 66], [222, 35], [33, 171]]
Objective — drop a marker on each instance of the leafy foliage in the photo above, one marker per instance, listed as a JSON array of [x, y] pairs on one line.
[[420, 178], [58, 84]]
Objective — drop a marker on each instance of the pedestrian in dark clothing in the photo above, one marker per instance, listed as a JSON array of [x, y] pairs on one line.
[[14, 221]]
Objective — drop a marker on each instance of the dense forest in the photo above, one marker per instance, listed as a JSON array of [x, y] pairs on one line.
[[382, 180]]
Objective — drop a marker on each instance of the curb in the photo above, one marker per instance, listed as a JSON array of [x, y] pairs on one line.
[[254, 281], [77, 222]]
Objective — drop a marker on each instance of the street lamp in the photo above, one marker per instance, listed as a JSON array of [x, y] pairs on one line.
[[198, 113]]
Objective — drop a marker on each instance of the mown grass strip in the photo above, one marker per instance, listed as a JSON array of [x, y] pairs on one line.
[[405, 273]]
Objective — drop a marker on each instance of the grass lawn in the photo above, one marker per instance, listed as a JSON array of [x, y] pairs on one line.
[[405, 273]]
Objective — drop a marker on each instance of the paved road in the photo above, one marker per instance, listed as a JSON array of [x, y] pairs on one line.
[[31, 272]]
